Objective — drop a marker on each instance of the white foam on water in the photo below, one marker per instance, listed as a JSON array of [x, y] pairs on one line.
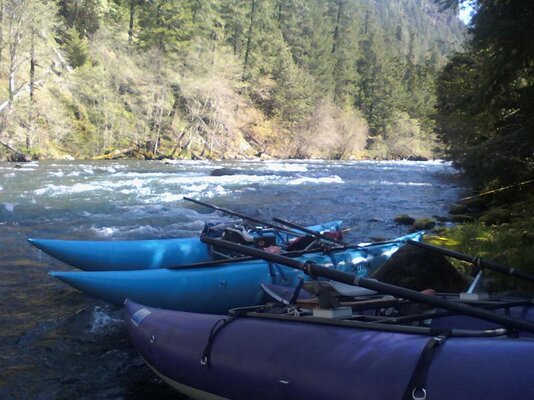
[[194, 226], [139, 191], [196, 188], [143, 230], [137, 183], [58, 190], [10, 207], [107, 186], [1, 187], [105, 231], [101, 320], [306, 180], [169, 197], [141, 174], [110, 170], [166, 197], [389, 183], [74, 173], [58, 174], [283, 167], [239, 179]]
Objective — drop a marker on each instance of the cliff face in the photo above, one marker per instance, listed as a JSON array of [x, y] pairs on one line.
[[319, 78]]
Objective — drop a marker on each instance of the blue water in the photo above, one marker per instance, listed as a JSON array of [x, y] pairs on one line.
[[57, 343]]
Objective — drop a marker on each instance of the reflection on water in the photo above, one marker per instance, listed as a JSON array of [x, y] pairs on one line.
[[56, 343]]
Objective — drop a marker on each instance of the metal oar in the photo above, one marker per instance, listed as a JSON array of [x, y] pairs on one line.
[[480, 262], [242, 216], [297, 253], [316, 235], [316, 270]]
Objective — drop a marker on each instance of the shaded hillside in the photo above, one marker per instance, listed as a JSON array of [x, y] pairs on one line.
[[292, 78]]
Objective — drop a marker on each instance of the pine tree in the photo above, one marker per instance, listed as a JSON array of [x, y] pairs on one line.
[[165, 25], [319, 60], [76, 48], [84, 15], [233, 15]]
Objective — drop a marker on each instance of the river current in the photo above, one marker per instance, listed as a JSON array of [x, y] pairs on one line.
[[57, 343]]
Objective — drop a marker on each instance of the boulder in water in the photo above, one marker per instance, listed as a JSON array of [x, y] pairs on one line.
[[223, 172], [404, 219], [457, 209], [424, 224]]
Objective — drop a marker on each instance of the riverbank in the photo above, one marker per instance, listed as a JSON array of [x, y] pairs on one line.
[[145, 152], [495, 226]]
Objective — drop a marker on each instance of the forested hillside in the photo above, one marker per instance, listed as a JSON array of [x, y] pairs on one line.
[[221, 78]]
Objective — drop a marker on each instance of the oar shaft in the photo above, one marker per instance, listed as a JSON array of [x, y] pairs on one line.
[[438, 302], [215, 263], [503, 269], [242, 216], [316, 270], [317, 235]]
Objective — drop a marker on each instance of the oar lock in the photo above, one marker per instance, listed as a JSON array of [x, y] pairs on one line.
[[308, 269]]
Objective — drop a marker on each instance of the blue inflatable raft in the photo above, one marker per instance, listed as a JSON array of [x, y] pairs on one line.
[[116, 255], [216, 289]]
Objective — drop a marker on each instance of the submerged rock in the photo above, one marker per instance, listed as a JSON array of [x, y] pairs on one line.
[[419, 269], [424, 224], [462, 219], [404, 219], [223, 172], [458, 209], [417, 158]]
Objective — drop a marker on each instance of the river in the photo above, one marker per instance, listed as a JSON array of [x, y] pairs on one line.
[[57, 343]]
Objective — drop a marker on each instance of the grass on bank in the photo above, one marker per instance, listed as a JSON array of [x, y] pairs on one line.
[[504, 234]]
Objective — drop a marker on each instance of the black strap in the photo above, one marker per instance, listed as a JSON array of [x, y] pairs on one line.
[[416, 388], [215, 330], [280, 271], [295, 295], [272, 272]]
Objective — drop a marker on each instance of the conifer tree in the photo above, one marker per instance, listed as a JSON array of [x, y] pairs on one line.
[[84, 15], [76, 48], [233, 14], [486, 96], [319, 60], [165, 25]]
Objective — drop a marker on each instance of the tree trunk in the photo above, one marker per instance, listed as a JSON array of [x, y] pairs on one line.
[[1, 31], [15, 37], [33, 63], [336, 29], [131, 25], [11, 81], [250, 31], [235, 38]]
